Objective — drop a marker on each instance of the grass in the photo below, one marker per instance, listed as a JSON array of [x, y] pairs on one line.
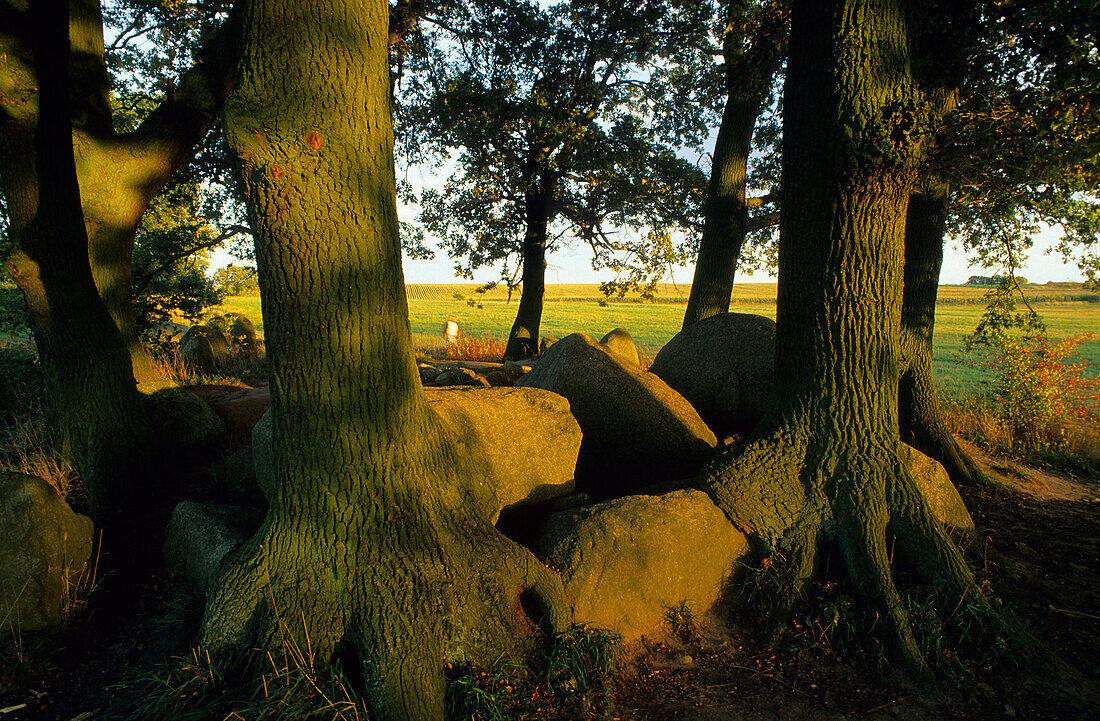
[[1066, 308]]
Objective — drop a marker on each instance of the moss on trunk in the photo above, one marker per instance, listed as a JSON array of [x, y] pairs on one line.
[[824, 466], [377, 550], [920, 413]]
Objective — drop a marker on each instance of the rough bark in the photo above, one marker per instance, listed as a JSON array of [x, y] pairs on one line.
[[824, 466], [726, 213], [920, 414], [377, 549], [119, 174], [523, 339], [94, 407]]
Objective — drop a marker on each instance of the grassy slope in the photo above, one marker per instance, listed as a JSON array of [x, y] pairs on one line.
[[574, 307]]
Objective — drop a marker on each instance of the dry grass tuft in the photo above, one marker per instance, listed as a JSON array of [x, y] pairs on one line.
[[488, 349], [25, 447]]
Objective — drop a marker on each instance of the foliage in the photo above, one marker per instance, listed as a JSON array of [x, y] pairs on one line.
[[171, 251], [25, 447], [1022, 149], [1036, 389], [581, 663], [20, 383], [960, 639], [538, 99], [235, 280], [1040, 384]]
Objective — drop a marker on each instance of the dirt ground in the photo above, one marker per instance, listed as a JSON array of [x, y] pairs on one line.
[[1039, 537]]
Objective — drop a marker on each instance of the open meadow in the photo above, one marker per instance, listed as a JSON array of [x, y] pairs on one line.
[[1066, 308]]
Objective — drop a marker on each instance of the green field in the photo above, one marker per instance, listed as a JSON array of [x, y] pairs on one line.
[[1066, 309]]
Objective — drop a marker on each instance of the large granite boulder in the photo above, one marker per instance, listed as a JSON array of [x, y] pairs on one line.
[[183, 423], [724, 366], [234, 479], [943, 498], [239, 407], [527, 438], [620, 341], [263, 454], [203, 347], [242, 336], [44, 547], [626, 561], [200, 535], [637, 430]]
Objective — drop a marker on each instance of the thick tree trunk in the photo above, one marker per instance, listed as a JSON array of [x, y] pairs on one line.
[[920, 414], [377, 548], [523, 340], [95, 409], [725, 222], [825, 465], [725, 213], [118, 174]]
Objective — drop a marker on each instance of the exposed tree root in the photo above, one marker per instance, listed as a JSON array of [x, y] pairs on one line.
[[791, 495], [924, 427], [392, 591]]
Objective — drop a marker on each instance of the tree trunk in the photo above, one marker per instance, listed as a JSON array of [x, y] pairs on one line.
[[825, 464], [725, 214], [725, 221], [523, 340], [377, 548], [94, 407], [920, 414], [119, 174]]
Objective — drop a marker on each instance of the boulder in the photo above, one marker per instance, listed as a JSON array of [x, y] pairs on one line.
[[626, 561], [166, 333], [526, 437], [239, 407], [242, 336], [943, 498], [621, 342], [459, 376], [203, 347], [235, 478], [200, 535], [724, 366], [637, 430], [428, 373], [44, 547], [262, 454], [183, 423]]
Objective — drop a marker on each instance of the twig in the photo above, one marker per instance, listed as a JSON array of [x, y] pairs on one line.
[[1073, 613], [758, 672]]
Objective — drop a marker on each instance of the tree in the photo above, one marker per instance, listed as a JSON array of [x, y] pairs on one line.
[[548, 109], [99, 419], [861, 88], [94, 406], [1020, 148], [752, 47], [236, 280], [171, 251], [377, 549], [119, 173]]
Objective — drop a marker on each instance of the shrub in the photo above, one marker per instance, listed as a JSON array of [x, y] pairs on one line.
[[1037, 388]]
